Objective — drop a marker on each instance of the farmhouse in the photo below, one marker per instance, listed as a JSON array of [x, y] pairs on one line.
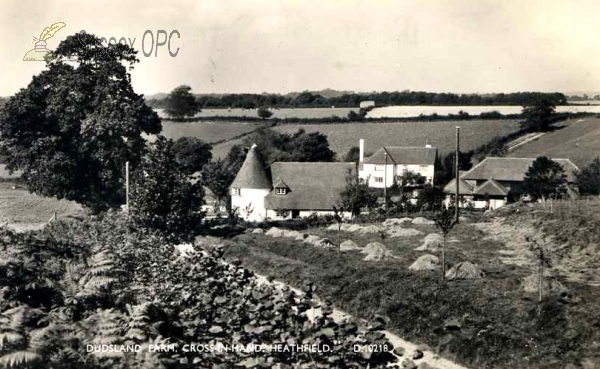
[[291, 189], [497, 180], [390, 164]]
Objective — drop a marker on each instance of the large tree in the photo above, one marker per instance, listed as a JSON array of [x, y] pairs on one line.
[[544, 178], [163, 199], [300, 146], [74, 126], [588, 178], [539, 116], [180, 103], [192, 153]]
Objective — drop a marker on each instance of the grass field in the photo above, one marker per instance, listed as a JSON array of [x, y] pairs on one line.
[[207, 131], [498, 321], [439, 134], [21, 210], [579, 141]]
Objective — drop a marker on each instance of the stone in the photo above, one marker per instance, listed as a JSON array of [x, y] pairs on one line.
[[396, 221], [409, 364], [424, 366], [291, 234], [258, 231], [301, 237], [403, 232], [418, 354], [400, 351], [323, 242]]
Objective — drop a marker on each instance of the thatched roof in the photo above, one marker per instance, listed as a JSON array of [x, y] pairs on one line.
[[512, 169], [404, 155], [252, 174], [312, 186]]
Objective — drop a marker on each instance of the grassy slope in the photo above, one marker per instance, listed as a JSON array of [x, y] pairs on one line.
[[579, 141], [208, 131], [439, 134], [23, 210], [499, 326]]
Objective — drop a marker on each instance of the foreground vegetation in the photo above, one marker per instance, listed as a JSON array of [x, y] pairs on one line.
[[81, 283]]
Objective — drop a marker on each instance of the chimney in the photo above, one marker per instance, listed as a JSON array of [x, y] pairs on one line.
[[361, 150]]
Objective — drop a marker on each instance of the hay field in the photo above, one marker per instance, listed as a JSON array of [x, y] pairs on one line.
[[439, 134]]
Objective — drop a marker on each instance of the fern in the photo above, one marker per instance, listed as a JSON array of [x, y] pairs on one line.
[[19, 358]]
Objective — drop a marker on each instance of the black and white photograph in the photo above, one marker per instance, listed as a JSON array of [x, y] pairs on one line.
[[288, 184]]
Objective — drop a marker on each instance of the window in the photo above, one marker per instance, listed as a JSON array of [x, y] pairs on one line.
[[379, 167], [378, 179], [282, 213], [236, 192], [423, 167], [281, 190]]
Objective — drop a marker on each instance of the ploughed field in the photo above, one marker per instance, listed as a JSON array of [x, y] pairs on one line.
[[209, 132], [440, 134], [491, 320]]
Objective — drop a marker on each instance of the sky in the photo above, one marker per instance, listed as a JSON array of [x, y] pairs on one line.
[[460, 46]]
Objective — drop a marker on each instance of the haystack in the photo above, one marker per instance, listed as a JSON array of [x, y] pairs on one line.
[[333, 227], [396, 221], [464, 270], [425, 262], [403, 232], [275, 232], [354, 228], [258, 230], [376, 251], [291, 234], [369, 229], [311, 238], [349, 245], [301, 236], [421, 220], [549, 284], [431, 242]]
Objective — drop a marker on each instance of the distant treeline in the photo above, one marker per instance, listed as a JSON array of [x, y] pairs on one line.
[[311, 100]]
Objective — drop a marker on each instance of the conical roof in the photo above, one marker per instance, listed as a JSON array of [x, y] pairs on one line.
[[252, 174]]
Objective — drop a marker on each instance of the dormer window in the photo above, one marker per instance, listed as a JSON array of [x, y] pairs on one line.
[[281, 188]]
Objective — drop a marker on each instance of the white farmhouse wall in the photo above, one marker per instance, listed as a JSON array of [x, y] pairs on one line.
[[253, 199], [272, 214], [372, 171]]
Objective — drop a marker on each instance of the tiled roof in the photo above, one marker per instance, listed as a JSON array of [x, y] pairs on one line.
[[464, 188], [511, 169], [404, 155], [491, 187], [313, 186], [252, 174]]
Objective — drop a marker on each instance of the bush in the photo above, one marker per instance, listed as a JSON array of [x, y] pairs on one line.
[[162, 197]]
